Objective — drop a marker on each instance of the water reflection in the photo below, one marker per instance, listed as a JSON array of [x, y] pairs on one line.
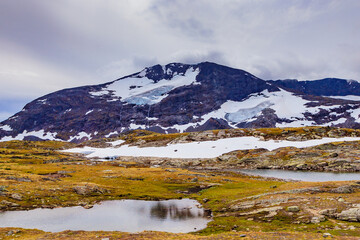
[[302, 175], [175, 212], [176, 216]]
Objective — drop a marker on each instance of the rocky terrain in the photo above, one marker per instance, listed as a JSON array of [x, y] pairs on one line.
[[183, 98], [329, 157], [38, 175], [33, 175]]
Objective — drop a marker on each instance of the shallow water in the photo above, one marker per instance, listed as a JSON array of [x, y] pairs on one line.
[[302, 175], [176, 216]]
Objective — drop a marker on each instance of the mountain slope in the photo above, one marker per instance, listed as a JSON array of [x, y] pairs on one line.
[[322, 87], [174, 98]]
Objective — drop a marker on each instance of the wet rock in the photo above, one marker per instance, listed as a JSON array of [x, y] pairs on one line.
[[89, 190], [351, 215], [293, 209]]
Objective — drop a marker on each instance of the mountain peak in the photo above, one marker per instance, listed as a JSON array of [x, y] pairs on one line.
[[179, 97]]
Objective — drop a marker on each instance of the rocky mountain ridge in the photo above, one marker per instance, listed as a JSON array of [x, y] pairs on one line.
[[181, 98]]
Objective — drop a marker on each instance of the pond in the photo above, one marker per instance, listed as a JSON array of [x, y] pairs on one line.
[[302, 175], [177, 216]]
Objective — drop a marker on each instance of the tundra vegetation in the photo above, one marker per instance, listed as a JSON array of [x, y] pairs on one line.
[[38, 175]]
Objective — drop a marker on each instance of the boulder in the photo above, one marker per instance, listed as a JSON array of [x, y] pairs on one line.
[[89, 190], [343, 189], [293, 209], [16, 196], [330, 212], [351, 215]]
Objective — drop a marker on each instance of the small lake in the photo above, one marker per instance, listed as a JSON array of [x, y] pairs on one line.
[[177, 216], [302, 175]]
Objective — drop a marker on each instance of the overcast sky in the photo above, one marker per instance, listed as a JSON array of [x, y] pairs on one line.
[[50, 45]]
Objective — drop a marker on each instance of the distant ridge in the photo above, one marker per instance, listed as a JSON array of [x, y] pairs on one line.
[[184, 97]]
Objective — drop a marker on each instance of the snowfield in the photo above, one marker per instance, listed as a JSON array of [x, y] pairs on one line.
[[141, 90], [206, 149]]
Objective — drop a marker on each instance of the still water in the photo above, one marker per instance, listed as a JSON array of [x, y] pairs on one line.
[[177, 216], [302, 175]]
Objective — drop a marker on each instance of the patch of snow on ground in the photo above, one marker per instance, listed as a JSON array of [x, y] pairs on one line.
[[117, 142], [180, 128], [6, 128], [206, 149], [296, 123]]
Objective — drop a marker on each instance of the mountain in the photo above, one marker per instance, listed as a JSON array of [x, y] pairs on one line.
[[182, 97], [322, 87]]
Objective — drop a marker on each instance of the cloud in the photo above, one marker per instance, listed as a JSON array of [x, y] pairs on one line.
[[184, 18], [124, 67], [23, 76], [50, 45], [196, 56]]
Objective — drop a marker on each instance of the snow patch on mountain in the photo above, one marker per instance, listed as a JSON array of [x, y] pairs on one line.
[[141, 90], [80, 136], [6, 128], [42, 101], [347, 97], [90, 111], [356, 114], [39, 134], [282, 102], [112, 133], [247, 113], [99, 93]]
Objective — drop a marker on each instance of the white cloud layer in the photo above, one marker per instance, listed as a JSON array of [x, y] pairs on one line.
[[49, 45]]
